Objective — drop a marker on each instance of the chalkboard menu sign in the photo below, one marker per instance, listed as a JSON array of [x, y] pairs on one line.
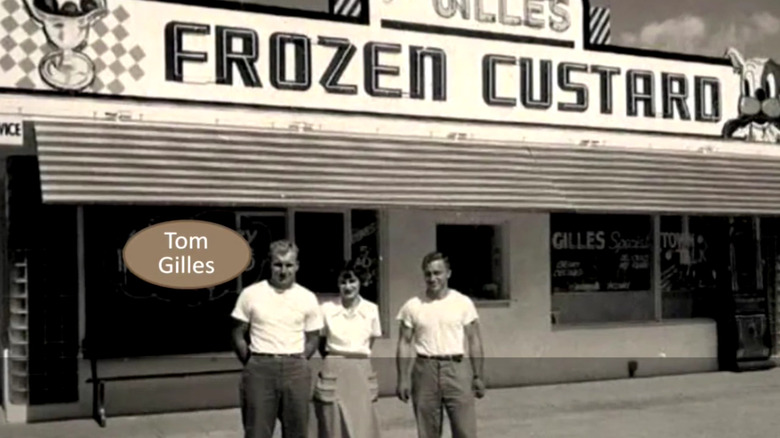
[[600, 252]]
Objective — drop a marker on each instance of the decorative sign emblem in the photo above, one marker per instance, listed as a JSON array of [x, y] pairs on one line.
[[67, 27], [759, 102]]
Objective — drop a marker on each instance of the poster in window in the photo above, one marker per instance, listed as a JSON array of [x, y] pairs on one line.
[[365, 251], [601, 252], [692, 256]]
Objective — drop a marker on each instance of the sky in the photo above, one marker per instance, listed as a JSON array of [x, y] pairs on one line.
[[703, 27]]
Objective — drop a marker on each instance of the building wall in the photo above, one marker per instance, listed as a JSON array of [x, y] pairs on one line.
[[521, 344]]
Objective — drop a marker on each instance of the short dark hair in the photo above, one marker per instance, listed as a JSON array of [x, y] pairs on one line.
[[351, 269], [434, 256]]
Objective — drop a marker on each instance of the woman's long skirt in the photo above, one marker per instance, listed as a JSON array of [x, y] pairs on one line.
[[344, 396]]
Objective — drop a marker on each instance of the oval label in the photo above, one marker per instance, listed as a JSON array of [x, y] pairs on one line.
[[187, 254]]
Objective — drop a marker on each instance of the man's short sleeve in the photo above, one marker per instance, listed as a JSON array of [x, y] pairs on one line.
[[469, 311], [405, 315], [313, 320], [376, 326], [242, 311], [324, 313]]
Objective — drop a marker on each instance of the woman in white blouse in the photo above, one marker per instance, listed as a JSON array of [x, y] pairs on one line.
[[346, 388]]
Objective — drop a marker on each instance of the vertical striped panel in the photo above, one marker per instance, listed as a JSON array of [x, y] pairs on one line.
[[600, 29], [346, 8]]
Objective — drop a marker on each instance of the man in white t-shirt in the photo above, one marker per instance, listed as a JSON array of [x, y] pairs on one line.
[[282, 320], [434, 327]]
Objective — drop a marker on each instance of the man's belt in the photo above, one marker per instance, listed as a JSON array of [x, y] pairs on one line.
[[295, 355], [443, 357], [347, 355]]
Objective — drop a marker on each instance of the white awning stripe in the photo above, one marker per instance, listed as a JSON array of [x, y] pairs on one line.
[[120, 162]]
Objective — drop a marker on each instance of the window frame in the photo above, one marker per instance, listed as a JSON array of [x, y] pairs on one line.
[[505, 240], [383, 298], [346, 218]]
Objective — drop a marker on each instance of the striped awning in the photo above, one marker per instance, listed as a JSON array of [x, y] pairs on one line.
[[96, 162]]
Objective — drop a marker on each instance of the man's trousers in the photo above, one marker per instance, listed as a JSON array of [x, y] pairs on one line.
[[275, 387], [440, 385]]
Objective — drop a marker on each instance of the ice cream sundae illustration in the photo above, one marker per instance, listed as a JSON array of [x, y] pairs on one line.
[[67, 26]]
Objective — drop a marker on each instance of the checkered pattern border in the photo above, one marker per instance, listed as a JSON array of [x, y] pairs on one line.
[[23, 43]]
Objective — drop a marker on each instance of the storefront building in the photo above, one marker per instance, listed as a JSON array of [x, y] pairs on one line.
[[612, 211]]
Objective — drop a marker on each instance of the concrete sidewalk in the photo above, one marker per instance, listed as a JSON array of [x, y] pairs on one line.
[[711, 405]]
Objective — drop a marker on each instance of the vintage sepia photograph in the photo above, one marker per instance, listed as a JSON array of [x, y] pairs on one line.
[[389, 218]]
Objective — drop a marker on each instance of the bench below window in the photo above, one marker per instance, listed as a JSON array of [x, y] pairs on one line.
[[99, 381]]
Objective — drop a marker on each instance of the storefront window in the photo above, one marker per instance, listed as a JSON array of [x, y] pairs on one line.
[[601, 268], [694, 263], [129, 317], [320, 238], [475, 254]]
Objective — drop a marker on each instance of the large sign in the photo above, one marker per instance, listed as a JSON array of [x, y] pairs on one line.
[[470, 60]]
